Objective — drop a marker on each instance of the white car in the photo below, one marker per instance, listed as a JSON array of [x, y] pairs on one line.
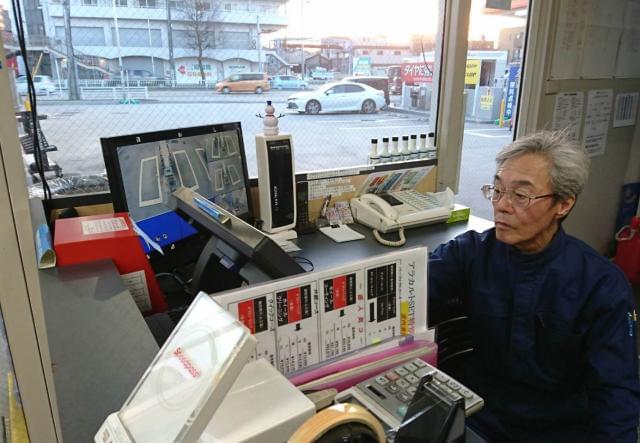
[[42, 84], [339, 96]]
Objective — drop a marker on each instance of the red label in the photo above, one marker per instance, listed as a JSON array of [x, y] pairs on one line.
[[294, 305], [414, 73], [339, 292], [246, 315]]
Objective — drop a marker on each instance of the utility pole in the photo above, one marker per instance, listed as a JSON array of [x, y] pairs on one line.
[[172, 63], [259, 44], [72, 79], [302, 39]]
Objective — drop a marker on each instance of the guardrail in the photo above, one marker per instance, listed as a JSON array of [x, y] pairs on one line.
[[113, 93]]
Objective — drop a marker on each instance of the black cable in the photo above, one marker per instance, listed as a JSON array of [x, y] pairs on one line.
[[37, 152]]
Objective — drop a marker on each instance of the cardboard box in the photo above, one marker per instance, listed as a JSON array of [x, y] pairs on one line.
[[84, 239]]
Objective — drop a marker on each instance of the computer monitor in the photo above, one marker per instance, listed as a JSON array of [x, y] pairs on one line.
[[235, 246], [145, 169]]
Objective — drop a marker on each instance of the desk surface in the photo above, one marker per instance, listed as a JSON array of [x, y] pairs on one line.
[[100, 345], [324, 253]]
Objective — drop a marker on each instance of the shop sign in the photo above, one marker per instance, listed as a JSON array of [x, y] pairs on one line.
[[189, 72], [486, 102], [415, 73], [472, 72]]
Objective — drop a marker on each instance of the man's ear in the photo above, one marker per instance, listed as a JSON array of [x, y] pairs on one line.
[[565, 206]]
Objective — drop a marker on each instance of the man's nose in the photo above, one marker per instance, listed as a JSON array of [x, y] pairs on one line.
[[504, 203]]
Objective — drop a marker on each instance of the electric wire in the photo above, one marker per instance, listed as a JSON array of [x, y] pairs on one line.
[[37, 152]]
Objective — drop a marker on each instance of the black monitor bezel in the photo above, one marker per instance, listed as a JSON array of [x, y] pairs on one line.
[[110, 147]]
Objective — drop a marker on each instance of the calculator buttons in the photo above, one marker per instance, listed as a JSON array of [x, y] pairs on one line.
[[410, 367], [392, 388], [441, 377], [412, 390], [402, 410], [382, 380], [401, 371], [404, 397], [392, 376], [402, 383], [412, 379], [419, 363], [453, 385], [423, 371], [466, 393]]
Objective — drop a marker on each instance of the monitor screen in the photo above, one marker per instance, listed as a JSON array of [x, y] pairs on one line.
[[145, 169]]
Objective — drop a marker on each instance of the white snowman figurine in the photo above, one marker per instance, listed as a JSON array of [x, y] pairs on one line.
[[270, 121]]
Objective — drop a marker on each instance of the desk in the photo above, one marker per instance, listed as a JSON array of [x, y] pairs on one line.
[[325, 253], [100, 345]]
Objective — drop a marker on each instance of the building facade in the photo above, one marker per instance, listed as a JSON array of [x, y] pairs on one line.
[[155, 39]]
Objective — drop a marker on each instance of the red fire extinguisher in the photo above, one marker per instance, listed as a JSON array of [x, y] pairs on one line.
[[628, 250]]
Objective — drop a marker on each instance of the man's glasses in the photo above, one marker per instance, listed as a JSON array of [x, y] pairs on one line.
[[517, 197]]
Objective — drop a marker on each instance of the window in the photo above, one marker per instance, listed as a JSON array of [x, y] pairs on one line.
[[353, 88], [182, 92], [90, 2], [83, 36], [397, 53], [121, 3], [138, 37]]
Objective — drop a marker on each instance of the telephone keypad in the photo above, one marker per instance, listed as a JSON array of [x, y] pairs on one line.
[[416, 199]]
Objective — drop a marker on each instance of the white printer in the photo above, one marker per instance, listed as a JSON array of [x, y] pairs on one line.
[[200, 388]]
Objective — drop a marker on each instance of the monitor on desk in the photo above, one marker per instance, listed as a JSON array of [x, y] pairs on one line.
[[145, 169], [236, 246]]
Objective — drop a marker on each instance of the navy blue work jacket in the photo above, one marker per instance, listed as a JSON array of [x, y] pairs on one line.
[[555, 355]]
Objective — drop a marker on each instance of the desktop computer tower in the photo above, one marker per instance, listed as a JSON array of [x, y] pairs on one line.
[[276, 182]]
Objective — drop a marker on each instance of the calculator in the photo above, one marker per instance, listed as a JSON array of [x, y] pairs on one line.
[[388, 395]]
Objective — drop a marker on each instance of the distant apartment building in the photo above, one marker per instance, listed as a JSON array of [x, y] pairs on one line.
[[512, 40], [137, 34], [381, 52]]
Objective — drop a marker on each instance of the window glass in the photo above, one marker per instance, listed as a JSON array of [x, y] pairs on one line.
[[492, 83], [153, 65]]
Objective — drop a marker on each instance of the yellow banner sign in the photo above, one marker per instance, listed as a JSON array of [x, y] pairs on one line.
[[472, 74]]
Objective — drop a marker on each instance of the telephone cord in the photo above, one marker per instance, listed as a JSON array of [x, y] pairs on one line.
[[396, 243]]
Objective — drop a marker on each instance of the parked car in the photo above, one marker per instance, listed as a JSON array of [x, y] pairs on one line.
[[257, 82], [42, 84], [338, 96], [379, 83], [287, 82]]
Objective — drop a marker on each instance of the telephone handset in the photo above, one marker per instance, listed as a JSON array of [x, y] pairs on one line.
[[380, 205], [397, 210]]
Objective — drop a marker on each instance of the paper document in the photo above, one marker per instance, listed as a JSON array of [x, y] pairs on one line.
[[44, 250], [317, 316], [341, 233]]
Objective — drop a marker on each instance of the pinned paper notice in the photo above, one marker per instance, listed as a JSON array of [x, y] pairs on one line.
[[136, 283], [104, 225]]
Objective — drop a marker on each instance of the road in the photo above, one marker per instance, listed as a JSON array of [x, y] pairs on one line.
[[320, 141]]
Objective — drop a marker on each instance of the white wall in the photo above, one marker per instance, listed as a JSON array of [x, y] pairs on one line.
[[593, 219]]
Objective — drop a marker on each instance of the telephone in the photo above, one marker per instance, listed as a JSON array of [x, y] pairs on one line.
[[397, 210]]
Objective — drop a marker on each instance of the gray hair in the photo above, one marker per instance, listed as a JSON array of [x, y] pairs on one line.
[[569, 161]]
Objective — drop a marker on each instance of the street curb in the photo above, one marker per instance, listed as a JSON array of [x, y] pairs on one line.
[[407, 111]]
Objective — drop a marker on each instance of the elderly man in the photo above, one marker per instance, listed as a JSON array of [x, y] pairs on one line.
[[552, 321]]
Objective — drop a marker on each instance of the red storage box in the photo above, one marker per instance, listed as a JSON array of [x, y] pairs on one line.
[[110, 236]]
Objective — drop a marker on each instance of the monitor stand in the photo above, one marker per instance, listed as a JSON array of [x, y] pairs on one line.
[[220, 268]]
